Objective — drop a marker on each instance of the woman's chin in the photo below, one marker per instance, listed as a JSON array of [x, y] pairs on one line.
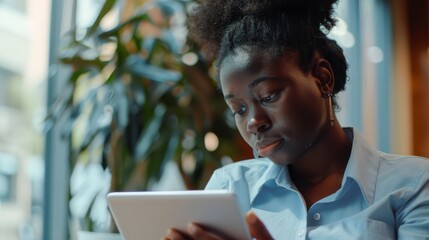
[[281, 159], [281, 155]]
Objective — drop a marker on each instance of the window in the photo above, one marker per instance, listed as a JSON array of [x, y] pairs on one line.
[[364, 32], [23, 72], [19, 5], [10, 83], [8, 174]]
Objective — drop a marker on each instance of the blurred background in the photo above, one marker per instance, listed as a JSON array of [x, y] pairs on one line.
[[103, 95]]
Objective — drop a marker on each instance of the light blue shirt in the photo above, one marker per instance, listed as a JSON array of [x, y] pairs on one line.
[[382, 196]]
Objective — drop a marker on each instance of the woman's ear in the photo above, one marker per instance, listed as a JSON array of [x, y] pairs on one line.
[[324, 74]]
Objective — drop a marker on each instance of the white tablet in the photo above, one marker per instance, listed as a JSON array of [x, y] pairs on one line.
[[148, 215]]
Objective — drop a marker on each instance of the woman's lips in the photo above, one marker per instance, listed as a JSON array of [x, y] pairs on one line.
[[267, 149]]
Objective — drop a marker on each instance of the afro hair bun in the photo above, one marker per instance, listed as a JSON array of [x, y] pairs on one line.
[[210, 19], [318, 12]]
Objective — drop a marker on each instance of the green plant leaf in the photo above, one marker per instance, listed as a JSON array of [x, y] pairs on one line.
[[164, 150], [172, 43], [150, 133], [121, 105], [148, 44], [139, 95], [101, 100], [167, 7], [60, 105], [138, 66], [173, 144], [81, 62], [107, 6], [152, 98], [134, 20]]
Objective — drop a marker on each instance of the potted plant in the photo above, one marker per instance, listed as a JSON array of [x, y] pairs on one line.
[[140, 95]]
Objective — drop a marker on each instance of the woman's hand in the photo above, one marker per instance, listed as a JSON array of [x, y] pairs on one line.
[[256, 227], [194, 231]]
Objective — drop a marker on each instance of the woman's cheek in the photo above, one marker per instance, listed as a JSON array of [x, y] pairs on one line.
[[242, 128]]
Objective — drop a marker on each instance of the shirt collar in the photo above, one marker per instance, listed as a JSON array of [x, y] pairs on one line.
[[362, 167], [275, 174]]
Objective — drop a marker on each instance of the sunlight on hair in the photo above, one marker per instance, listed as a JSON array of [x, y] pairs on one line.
[[341, 28], [341, 34], [348, 40]]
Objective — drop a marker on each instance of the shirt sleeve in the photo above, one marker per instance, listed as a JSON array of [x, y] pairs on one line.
[[216, 182], [414, 218]]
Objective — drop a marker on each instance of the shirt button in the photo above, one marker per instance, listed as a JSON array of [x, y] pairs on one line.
[[301, 232], [316, 216]]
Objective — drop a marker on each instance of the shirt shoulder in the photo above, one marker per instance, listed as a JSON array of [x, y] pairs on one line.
[[245, 171], [241, 174], [243, 178], [408, 165], [400, 172]]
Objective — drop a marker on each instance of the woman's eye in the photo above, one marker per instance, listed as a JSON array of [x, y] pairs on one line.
[[239, 111], [269, 98]]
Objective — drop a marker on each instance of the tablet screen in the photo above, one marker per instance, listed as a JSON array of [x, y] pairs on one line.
[[148, 215]]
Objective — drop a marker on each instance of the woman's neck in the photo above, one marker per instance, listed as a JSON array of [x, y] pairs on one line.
[[319, 173]]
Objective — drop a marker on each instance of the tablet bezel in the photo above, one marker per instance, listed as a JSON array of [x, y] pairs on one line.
[[217, 209]]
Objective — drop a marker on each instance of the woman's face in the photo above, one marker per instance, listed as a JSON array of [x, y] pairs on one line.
[[279, 110]]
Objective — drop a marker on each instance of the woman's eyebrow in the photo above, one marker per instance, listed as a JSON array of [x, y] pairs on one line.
[[259, 80], [228, 96], [253, 84]]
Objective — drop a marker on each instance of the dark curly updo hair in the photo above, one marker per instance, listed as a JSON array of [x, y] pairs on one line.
[[222, 26]]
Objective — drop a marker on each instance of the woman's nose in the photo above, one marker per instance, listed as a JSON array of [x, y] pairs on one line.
[[258, 122]]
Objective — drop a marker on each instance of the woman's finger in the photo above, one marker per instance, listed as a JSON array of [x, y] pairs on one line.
[[174, 234], [200, 233], [256, 227]]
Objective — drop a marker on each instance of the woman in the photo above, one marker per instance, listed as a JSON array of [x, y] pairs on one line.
[[279, 75]]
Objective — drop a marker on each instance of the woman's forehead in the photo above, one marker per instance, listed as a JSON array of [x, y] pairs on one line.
[[239, 59], [254, 60]]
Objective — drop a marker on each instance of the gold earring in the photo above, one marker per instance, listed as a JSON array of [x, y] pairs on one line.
[[331, 110]]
